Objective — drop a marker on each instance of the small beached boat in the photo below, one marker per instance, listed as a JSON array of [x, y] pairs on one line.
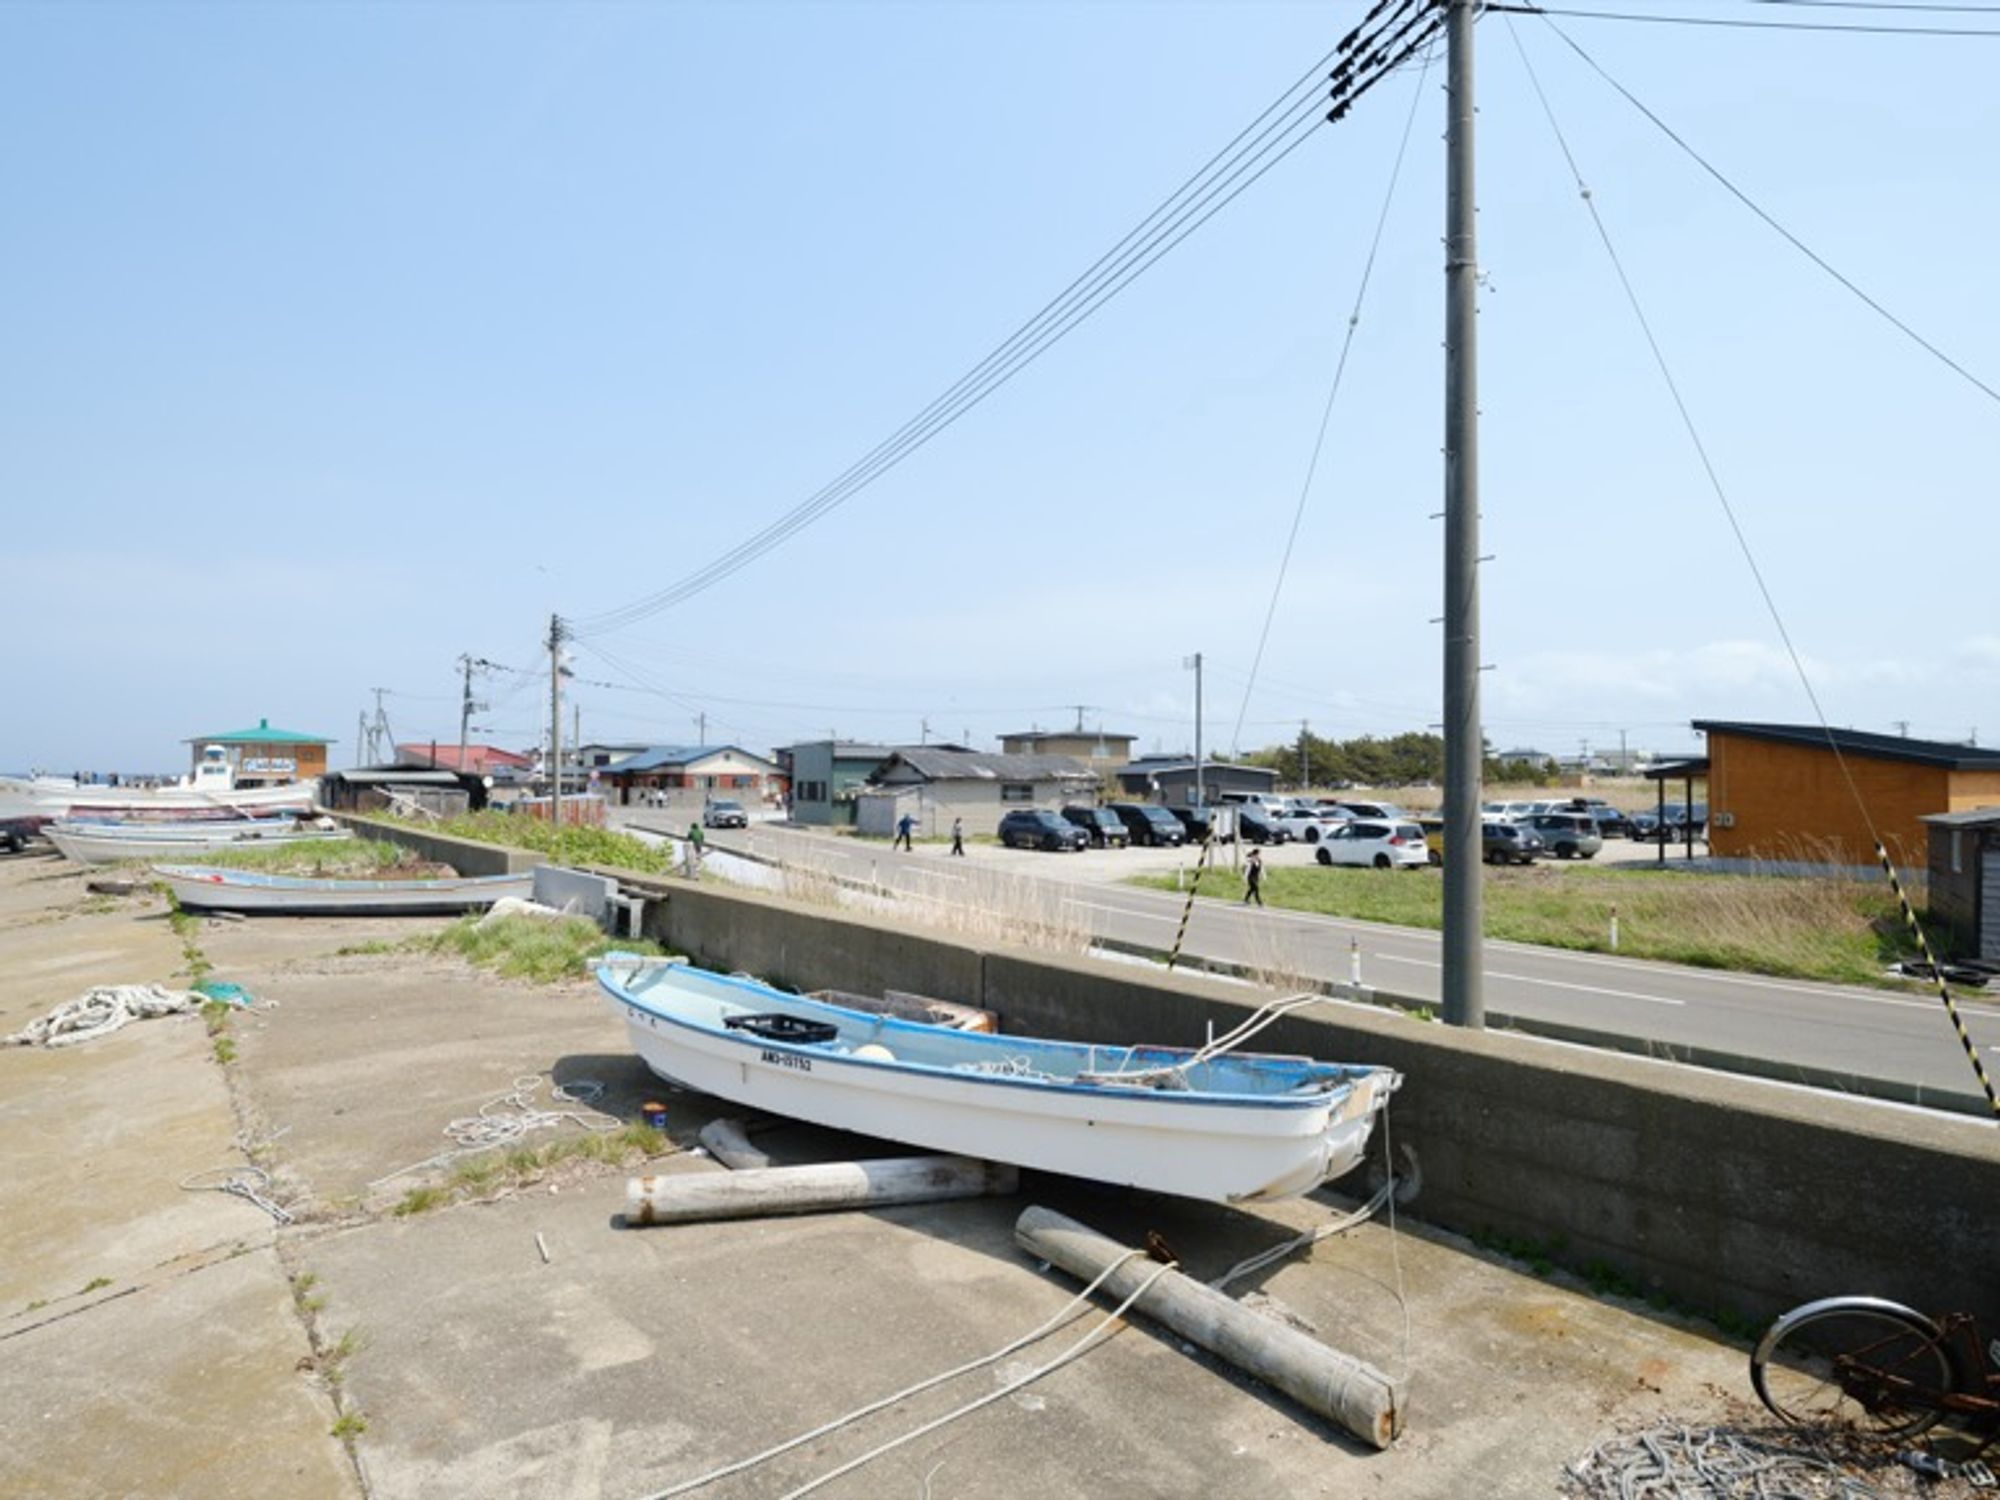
[[1216, 1124], [102, 843], [208, 888]]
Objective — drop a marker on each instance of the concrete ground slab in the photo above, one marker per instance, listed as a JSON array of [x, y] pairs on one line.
[[148, 1344], [187, 1388]]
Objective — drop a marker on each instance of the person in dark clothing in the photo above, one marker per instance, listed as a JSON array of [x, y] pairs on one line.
[[1253, 878], [958, 837], [904, 825]]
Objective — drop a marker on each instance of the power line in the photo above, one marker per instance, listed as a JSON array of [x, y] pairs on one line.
[[1745, 199], [1370, 52], [1740, 24], [1332, 395]]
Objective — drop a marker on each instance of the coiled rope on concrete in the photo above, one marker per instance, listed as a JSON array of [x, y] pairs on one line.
[[1711, 1463], [252, 1184], [506, 1118], [101, 1010]]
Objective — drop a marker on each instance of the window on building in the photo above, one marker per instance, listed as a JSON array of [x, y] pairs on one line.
[[1017, 791]]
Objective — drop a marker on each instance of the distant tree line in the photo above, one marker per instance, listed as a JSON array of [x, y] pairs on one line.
[[1399, 760]]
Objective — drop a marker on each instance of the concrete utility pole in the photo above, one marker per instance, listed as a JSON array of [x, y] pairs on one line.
[[1305, 758], [1200, 778], [555, 718], [1463, 952]]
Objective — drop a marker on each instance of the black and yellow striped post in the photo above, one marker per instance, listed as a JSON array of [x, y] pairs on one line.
[[1187, 908], [1937, 973]]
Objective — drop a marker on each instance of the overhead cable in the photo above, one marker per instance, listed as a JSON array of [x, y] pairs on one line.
[[1387, 36], [1745, 199], [1738, 23]]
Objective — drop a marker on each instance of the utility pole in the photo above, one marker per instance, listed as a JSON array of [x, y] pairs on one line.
[[1902, 727], [360, 738], [701, 727], [1305, 758], [555, 718], [1624, 760], [1200, 777], [1463, 952]]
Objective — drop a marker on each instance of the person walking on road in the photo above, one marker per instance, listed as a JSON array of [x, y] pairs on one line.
[[958, 837], [904, 825], [1253, 878], [694, 842]]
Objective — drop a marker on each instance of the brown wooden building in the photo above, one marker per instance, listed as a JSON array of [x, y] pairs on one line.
[[265, 756], [1797, 791]]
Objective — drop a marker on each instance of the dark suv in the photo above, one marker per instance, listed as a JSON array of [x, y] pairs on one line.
[[1149, 824], [1105, 831], [1199, 823], [1503, 843], [1257, 827], [1034, 828]]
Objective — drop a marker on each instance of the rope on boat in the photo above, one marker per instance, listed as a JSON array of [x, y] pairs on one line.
[[1066, 1313], [101, 1010], [506, 1118], [1174, 1075]]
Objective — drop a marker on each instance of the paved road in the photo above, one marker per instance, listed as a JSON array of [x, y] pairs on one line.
[[1789, 1023]]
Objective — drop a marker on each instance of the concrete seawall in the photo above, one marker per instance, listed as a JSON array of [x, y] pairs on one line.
[[1723, 1194]]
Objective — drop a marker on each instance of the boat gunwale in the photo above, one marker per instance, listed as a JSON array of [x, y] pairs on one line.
[[1327, 1099], [265, 880]]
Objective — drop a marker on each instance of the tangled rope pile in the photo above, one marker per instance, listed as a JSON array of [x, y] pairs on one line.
[[100, 1011], [506, 1118], [1709, 1463]]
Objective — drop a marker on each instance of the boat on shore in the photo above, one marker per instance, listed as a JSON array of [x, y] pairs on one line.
[[209, 792], [106, 843], [209, 888], [1216, 1124]]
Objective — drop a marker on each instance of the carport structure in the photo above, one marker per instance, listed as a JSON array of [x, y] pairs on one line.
[[1686, 772]]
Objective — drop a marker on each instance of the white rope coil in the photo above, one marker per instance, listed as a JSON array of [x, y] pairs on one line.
[[504, 1119], [102, 1010], [252, 1184]]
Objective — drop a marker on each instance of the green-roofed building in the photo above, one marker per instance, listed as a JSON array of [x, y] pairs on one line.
[[265, 756]]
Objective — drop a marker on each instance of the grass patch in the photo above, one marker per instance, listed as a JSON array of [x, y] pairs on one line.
[[1797, 927], [95, 1284], [348, 1426], [535, 948], [566, 844], [225, 1050], [357, 859], [520, 1165], [419, 1200]]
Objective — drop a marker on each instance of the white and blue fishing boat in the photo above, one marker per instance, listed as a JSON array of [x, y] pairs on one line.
[[1215, 1123], [212, 888]]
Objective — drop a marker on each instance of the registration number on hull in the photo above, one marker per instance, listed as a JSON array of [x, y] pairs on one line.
[[785, 1060]]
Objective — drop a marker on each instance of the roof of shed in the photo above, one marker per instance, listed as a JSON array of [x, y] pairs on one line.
[[661, 756], [263, 734], [976, 765], [1943, 754]]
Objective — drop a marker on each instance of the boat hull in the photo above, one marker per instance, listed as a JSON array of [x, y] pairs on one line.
[[98, 844], [201, 888], [1224, 1148], [164, 803]]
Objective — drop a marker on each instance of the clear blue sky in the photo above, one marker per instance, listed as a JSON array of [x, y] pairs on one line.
[[341, 339]]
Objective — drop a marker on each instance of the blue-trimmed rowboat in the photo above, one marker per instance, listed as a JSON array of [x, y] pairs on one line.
[[212, 888], [102, 843], [1230, 1128]]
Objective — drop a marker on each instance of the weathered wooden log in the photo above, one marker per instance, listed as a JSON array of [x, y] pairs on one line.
[[728, 1141], [762, 1192], [1345, 1390]]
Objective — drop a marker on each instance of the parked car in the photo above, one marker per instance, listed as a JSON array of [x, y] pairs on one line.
[[1612, 823], [720, 812], [1569, 835], [1306, 827], [1149, 824], [1370, 841], [1257, 826], [1037, 828], [1101, 824], [1375, 810], [1505, 843], [1200, 824]]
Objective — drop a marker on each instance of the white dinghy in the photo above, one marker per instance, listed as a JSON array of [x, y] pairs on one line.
[[1216, 1124]]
